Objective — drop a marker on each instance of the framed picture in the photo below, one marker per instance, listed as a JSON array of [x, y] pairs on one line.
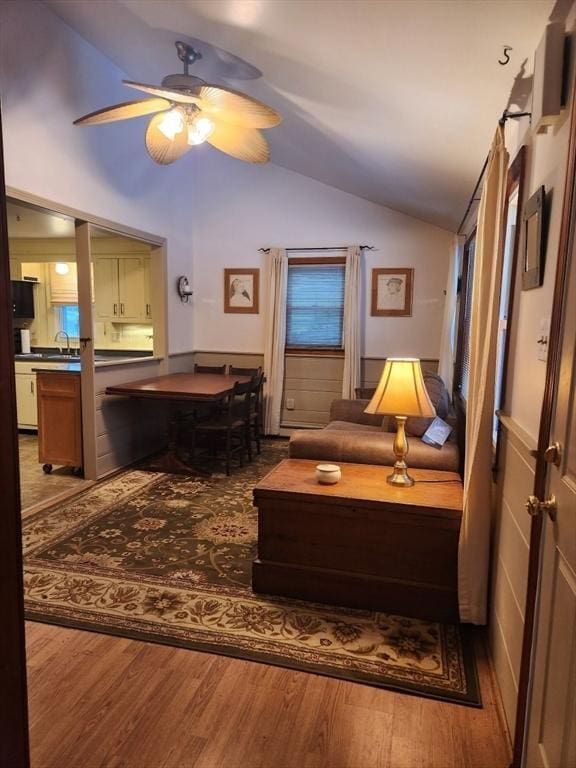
[[241, 290], [533, 256], [392, 291]]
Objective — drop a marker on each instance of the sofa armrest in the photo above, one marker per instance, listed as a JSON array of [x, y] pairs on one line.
[[353, 411]]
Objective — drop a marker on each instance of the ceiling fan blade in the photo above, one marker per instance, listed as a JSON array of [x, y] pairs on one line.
[[237, 108], [167, 93], [124, 111], [162, 149], [244, 143]]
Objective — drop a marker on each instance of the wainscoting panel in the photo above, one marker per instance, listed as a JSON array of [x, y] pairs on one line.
[[181, 363], [510, 561], [311, 381], [126, 429]]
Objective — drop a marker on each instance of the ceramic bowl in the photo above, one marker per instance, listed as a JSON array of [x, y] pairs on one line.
[[328, 474]]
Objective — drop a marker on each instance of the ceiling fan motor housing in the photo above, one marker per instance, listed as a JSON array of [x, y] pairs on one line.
[[183, 82]]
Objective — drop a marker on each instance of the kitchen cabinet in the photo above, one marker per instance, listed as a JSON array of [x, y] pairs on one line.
[[147, 289], [59, 419], [26, 406], [119, 293]]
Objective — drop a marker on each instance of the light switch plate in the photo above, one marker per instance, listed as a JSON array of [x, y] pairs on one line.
[[543, 338]]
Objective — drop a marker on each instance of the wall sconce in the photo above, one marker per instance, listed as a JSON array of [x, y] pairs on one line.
[[184, 290]]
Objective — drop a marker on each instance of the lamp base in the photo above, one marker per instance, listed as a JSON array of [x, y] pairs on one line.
[[400, 476]]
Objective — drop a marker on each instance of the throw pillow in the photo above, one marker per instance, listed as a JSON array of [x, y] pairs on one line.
[[417, 425]]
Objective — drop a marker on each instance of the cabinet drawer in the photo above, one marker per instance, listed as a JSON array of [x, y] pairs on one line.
[[59, 384]]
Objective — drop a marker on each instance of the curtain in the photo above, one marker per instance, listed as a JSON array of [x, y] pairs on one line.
[[275, 339], [448, 341], [473, 555], [351, 324]]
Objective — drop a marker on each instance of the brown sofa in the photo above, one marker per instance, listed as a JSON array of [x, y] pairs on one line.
[[363, 438]]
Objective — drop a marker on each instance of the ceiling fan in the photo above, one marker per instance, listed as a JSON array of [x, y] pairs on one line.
[[188, 111]]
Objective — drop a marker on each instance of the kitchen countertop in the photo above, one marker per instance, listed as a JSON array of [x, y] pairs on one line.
[[58, 368], [64, 363]]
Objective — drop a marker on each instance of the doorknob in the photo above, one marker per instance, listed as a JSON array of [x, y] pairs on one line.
[[535, 507], [553, 454]]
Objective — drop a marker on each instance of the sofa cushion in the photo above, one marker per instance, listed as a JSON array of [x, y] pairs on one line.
[[368, 447], [353, 411], [417, 425], [351, 426]]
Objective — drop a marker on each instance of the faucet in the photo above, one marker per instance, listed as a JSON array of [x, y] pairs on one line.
[[63, 333]]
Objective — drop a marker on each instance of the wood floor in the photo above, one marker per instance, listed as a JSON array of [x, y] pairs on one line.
[[106, 702]]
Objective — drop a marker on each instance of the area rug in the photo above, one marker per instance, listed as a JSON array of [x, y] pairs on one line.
[[167, 558]]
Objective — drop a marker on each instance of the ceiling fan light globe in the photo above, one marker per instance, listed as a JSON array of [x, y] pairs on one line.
[[172, 123], [200, 128]]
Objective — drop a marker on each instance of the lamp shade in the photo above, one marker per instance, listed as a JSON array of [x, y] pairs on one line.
[[401, 390]]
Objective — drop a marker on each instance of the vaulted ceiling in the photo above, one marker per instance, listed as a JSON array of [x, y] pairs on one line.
[[394, 101]]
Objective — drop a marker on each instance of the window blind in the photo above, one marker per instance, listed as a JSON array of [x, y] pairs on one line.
[[315, 305]]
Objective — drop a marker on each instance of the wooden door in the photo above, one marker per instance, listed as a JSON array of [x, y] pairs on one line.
[[131, 289], [106, 299], [551, 741], [14, 750]]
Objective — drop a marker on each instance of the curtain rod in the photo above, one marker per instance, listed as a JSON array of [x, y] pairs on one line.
[[326, 248], [505, 116]]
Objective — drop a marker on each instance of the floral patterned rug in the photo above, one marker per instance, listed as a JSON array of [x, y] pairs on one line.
[[167, 558]]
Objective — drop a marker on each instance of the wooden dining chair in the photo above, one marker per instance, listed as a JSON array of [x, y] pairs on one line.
[[221, 369], [226, 431], [255, 421], [234, 370]]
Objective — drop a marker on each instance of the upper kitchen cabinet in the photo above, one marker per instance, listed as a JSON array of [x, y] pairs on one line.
[[121, 269], [120, 292]]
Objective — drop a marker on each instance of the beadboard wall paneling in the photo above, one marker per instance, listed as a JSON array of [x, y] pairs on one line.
[[181, 363], [313, 382], [127, 429], [510, 548]]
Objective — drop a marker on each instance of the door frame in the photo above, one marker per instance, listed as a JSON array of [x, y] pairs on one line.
[[84, 223], [14, 747], [541, 473]]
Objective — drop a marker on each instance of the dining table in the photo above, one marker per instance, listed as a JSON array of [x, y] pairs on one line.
[[179, 390]]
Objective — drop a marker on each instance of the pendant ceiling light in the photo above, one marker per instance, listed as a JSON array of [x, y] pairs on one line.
[[188, 111]]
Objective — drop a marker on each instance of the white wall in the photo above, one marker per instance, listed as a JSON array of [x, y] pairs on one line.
[[545, 164], [49, 76], [240, 208]]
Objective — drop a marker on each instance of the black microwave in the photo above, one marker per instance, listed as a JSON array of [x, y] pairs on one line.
[[22, 298]]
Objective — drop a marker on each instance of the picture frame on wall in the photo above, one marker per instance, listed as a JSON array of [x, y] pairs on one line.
[[241, 291], [392, 289], [534, 244]]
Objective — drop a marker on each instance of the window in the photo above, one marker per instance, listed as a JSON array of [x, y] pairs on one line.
[[315, 303], [465, 312], [70, 320], [505, 296]]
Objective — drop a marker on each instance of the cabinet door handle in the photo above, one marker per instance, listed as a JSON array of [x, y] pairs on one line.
[[148, 310], [115, 309], [31, 387], [121, 309]]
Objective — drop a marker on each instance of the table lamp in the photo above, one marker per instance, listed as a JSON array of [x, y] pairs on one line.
[[401, 392]]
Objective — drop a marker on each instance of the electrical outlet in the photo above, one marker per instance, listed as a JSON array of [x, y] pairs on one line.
[[289, 403]]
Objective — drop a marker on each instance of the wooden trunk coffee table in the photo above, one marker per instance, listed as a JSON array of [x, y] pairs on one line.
[[360, 543]]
